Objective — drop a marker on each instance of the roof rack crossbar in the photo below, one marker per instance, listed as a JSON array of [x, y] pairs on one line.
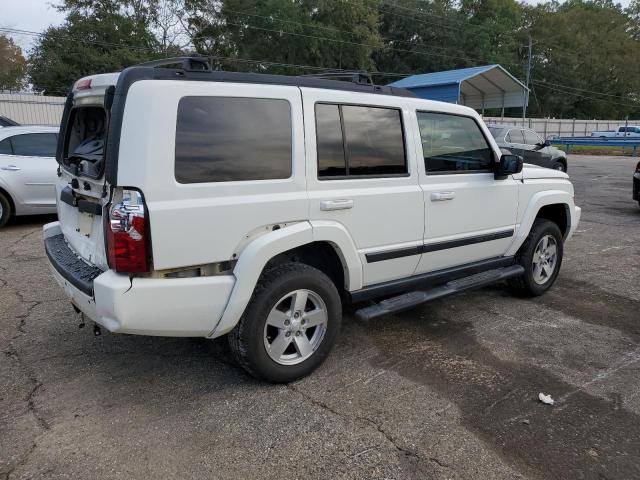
[[189, 64]]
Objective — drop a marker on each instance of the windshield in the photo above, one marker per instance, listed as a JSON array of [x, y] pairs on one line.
[[496, 131]]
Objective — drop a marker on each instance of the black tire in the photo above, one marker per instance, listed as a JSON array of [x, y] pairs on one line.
[[6, 210], [559, 166], [525, 285], [246, 340]]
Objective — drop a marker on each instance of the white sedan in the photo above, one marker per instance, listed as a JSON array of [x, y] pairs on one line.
[[27, 171]]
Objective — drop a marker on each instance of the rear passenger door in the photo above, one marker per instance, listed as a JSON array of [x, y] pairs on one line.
[[30, 168], [361, 173], [469, 215]]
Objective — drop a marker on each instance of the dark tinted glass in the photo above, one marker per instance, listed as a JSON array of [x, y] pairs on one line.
[[452, 143], [375, 144], [35, 144], [331, 161], [221, 139], [515, 136], [5, 147]]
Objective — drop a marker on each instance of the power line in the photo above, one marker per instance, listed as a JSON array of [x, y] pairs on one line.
[[619, 97], [567, 92]]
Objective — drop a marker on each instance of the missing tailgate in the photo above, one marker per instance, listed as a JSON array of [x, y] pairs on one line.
[[84, 142]]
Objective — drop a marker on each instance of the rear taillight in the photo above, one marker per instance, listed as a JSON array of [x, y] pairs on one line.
[[127, 233]]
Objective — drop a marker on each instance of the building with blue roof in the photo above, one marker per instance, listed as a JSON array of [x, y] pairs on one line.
[[488, 86]]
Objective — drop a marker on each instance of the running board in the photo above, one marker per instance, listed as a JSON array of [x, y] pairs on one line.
[[413, 299]]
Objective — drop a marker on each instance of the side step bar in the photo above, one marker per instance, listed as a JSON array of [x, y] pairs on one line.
[[413, 299]]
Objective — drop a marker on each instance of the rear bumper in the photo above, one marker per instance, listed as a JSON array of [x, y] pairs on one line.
[[636, 186], [185, 307]]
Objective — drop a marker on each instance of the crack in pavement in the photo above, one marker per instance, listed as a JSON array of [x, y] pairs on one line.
[[406, 452]]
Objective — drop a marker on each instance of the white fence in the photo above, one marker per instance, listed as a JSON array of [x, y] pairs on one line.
[[551, 127], [28, 109]]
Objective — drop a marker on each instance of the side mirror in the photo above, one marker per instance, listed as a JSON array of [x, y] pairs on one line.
[[508, 165]]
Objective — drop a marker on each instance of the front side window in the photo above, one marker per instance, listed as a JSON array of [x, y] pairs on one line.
[[35, 144], [5, 147], [453, 144], [531, 137], [515, 136], [359, 141], [223, 139]]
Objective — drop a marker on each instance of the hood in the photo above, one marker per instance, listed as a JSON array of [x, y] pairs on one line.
[[534, 171]]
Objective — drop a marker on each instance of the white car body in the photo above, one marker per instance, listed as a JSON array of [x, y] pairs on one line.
[[28, 180], [629, 131], [249, 223]]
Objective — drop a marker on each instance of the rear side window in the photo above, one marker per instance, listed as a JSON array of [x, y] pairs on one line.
[[223, 139], [359, 141], [453, 144], [35, 144]]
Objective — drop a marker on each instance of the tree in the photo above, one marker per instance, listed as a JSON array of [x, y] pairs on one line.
[[12, 65], [98, 36], [322, 33], [585, 61]]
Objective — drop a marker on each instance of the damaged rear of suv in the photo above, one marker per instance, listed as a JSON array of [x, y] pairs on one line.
[[200, 203]]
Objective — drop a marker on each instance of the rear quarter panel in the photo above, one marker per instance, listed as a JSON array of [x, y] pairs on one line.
[[199, 223]]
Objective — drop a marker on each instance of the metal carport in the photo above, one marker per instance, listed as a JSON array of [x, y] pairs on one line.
[[488, 86]]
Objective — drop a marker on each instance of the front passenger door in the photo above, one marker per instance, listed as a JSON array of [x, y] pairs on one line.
[[469, 215]]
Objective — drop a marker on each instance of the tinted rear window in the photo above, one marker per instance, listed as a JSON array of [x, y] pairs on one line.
[[35, 144], [222, 139]]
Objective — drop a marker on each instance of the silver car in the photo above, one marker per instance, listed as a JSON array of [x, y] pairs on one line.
[[529, 145], [27, 171]]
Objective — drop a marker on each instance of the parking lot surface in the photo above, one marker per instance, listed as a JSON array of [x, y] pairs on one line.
[[446, 391]]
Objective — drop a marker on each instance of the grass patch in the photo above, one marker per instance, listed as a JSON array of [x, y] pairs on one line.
[[597, 150]]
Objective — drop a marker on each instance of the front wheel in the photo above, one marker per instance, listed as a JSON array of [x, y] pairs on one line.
[[290, 324], [559, 166], [541, 257]]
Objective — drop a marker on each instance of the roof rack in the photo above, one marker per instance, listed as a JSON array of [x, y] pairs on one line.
[[188, 64], [199, 68], [359, 78]]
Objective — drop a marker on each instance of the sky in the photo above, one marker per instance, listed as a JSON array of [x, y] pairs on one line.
[[37, 15]]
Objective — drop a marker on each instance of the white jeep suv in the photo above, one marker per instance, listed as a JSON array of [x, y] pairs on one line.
[[194, 202]]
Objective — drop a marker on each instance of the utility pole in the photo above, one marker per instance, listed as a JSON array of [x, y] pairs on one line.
[[526, 95]]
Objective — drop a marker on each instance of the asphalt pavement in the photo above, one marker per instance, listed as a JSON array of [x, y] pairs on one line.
[[446, 391]]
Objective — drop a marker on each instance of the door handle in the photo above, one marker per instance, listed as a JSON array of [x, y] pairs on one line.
[[442, 196], [11, 168], [341, 204]]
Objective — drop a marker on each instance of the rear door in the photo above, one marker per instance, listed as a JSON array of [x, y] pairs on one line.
[[361, 173], [30, 169], [469, 215]]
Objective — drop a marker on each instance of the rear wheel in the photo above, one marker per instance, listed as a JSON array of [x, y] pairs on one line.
[[5, 210], [541, 257], [290, 324]]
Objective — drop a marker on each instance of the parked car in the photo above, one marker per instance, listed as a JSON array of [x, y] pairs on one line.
[[636, 184], [531, 146], [626, 131], [27, 171], [256, 205], [7, 122]]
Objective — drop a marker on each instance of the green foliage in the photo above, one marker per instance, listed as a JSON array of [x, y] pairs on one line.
[[12, 65], [98, 36], [586, 53], [580, 48]]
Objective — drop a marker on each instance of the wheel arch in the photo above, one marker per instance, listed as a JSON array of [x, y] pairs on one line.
[[323, 245], [554, 205], [10, 199]]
